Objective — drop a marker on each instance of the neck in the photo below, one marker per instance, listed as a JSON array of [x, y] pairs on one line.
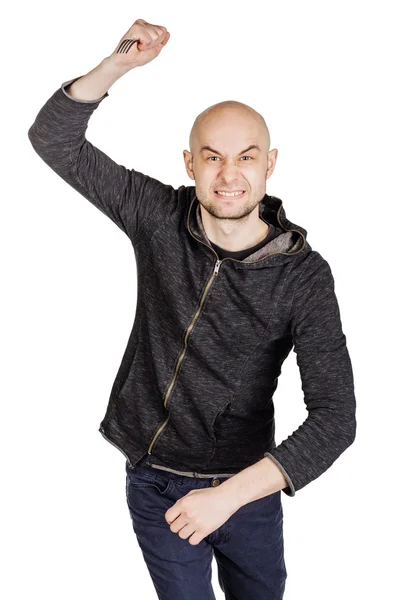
[[234, 235]]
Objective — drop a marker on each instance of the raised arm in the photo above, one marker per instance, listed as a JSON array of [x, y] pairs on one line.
[[58, 135]]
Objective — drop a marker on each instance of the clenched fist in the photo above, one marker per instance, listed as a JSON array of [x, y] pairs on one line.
[[141, 44]]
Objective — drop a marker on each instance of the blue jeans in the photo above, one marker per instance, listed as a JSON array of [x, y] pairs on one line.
[[248, 547]]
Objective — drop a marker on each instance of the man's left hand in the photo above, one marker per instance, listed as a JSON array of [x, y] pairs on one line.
[[200, 512]]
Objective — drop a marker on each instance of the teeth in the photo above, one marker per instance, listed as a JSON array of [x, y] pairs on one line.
[[229, 194]]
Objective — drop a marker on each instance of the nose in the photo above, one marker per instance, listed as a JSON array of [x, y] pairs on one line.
[[229, 173]]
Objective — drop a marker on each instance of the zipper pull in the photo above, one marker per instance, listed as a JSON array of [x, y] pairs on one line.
[[216, 268]]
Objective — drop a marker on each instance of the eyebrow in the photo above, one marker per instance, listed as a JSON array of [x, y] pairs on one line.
[[252, 147]]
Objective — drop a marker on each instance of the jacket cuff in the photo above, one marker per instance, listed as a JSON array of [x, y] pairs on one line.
[[66, 83], [290, 490]]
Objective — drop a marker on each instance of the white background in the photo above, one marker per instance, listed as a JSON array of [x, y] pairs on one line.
[[324, 76]]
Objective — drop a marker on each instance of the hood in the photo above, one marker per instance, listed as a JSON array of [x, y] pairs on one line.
[[276, 252]]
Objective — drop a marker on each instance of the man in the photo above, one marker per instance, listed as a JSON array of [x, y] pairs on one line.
[[227, 285]]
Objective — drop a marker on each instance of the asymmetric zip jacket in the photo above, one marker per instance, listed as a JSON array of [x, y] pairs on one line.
[[196, 383]]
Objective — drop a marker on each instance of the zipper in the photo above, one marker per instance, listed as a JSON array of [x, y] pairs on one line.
[[191, 325], [101, 429], [183, 352], [215, 273]]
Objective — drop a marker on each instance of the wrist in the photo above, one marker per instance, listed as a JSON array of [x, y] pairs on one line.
[[230, 496], [113, 68]]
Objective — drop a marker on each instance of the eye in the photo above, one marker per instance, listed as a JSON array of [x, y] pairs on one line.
[[246, 156]]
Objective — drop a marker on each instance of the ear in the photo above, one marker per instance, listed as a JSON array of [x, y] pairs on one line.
[[188, 159], [271, 162]]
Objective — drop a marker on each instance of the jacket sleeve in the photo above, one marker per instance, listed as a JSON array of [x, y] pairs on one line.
[[327, 381], [126, 196]]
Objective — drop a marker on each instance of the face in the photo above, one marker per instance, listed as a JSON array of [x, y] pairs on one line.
[[230, 153]]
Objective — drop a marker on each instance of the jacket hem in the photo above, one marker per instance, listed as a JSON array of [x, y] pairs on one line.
[[193, 473]]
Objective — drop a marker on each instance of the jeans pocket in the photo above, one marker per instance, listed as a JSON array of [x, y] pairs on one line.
[[143, 477]]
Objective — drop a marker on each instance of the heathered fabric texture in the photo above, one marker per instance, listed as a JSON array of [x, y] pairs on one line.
[[209, 337]]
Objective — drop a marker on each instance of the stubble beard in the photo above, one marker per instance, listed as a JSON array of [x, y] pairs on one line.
[[226, 210]]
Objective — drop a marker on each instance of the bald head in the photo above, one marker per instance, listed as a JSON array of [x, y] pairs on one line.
[[229, 112], [230, 152]]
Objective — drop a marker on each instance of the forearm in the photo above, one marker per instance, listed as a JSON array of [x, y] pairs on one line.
[[98, 81], [58, 135], [59, 130], [255, 482]]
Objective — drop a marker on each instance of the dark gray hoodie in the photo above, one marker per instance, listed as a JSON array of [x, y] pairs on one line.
[[196, 382]]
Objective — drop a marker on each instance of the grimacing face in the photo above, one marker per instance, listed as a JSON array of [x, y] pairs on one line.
[[229, 151]]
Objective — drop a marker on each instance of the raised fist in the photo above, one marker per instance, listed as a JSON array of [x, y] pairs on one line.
[[141, 44]]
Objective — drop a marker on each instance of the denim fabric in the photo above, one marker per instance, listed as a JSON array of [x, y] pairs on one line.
[[248, 547]]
